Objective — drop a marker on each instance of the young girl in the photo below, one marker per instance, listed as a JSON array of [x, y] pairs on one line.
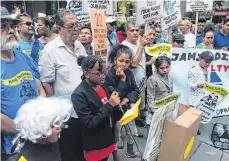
[[159, 85], [122, 80], [95, 109]]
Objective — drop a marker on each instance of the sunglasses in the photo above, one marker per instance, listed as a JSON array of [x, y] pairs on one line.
[[179, 41], [28, 24], [73, 26], [209, 37]]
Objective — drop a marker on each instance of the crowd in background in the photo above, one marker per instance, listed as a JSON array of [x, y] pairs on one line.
[[53, 57]]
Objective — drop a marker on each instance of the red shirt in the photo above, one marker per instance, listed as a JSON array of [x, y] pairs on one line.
[[97, 155], [120, 36]]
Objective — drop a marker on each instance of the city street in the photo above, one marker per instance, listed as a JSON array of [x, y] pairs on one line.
[[203, 149]]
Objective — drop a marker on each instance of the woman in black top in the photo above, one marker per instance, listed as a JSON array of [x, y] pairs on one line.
[[95, 109], [122, 80]]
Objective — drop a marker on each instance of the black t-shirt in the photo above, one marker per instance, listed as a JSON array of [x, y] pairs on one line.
[[39, 152]]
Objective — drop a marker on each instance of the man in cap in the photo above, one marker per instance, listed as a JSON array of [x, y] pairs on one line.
[[111, 35], [19, 82], [197, 76], [178, 41]]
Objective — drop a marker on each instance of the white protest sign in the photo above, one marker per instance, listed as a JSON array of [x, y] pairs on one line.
[[184, 59], [172, 13], [199, 5], [213, 95], [148, 11], [77, 7], [160, 49], [156, 129], [102, 5]]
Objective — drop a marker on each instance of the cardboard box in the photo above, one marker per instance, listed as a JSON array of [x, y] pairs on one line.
[[179, 136]]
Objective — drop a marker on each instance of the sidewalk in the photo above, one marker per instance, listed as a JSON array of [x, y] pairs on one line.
[[203, 149]]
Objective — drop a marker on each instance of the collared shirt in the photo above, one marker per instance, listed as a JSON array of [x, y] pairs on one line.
[[58, 65], [220, 40]]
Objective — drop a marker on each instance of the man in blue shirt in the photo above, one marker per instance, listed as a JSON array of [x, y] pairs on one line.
[[159, 38], [26, 42], [111, 35], [221, 38], [19, 81]]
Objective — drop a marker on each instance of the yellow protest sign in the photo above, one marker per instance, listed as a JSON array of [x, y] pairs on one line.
[[131, 114], [22, 158], [160, 49], [99, 32], [165, 101]]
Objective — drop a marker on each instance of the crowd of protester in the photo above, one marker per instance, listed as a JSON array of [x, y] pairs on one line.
[[53, 57]]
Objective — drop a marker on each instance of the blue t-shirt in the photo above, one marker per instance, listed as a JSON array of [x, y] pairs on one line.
[[113, 38], [26, 47], [220, 40], [199, 38], [18, 85]]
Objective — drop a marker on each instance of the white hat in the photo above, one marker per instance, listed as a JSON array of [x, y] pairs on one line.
[[41, 15], [110, 19]]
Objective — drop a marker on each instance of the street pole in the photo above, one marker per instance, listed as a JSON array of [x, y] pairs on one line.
[[197, 17]]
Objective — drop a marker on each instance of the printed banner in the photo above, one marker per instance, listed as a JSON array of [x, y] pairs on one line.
[[102, 5], [200, 5], [77, 6], [172, 13], [156, 129], [99, 32], [184, 59], [160, 49], [148, 11], [212, 98]]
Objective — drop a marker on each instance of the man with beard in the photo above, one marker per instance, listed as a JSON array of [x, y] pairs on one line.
[[17, 69], [27, 44], [60, 75], [85, 37]]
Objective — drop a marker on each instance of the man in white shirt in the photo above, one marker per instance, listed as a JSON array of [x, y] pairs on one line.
[[190, 39], [60, 75]]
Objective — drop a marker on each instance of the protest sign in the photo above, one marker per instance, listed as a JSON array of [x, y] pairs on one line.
[[200, 5], [166, 100], [148, 11], [99, 32], [77, 7], [222, 111], [156, 129], [172, 13], [102, 5], [184, 59], [160, 49], [131, 114], [212, 98]]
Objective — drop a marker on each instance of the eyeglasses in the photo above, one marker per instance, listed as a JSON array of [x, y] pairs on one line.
[[28, 24], [100, 74], [209, 37], [7, 26], [75, 26]]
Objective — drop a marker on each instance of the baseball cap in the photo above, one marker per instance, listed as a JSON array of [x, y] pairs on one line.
[[6, 16], [179, 37], [207, 55], [110, 19]]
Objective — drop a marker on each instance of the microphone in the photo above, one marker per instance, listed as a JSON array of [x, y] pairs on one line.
[[111, 89]]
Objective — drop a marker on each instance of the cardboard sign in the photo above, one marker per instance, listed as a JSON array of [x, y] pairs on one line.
[[179, 136], [212, 98], [172, 13], [200, 5], [148, 11], [102, 5], [160, 49], [99, 32]]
